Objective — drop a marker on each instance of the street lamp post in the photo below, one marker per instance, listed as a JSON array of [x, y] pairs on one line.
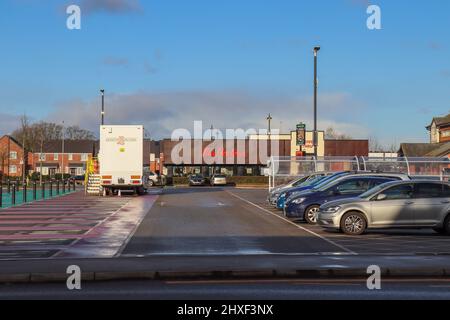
[[63, 151], [102, 91], [315, 138], [269, 120]]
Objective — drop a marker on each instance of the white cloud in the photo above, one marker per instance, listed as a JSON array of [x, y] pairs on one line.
[[161, 113]]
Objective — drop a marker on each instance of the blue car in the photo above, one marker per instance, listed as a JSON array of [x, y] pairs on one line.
[[320, 181], [306, 205]]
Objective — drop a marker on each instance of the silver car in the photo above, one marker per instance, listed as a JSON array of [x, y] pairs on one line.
[[413, 204], [218, 180]]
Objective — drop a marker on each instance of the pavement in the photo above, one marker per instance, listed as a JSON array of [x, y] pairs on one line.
[[197, 233]]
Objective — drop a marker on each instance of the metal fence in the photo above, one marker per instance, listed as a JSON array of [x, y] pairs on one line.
[[284, 169], [13, 193]]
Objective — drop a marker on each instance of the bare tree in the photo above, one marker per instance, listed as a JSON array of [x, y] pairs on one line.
[[375, 145], [48, 131], [332, 134]]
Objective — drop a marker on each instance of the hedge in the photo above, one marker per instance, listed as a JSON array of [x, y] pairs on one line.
[[249, 180]]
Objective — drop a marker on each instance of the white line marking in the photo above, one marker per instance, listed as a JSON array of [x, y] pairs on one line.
[[294, 224]]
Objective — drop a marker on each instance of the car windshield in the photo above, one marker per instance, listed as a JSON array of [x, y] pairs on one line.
[[301, 181], [323, 183]]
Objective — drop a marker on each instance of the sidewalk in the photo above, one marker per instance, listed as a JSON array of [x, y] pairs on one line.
[[224, 267]]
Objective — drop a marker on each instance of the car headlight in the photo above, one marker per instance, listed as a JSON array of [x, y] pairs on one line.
[[298, 201], [331, 209]]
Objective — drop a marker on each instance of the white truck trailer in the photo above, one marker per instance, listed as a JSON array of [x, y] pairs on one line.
[[121, 159]]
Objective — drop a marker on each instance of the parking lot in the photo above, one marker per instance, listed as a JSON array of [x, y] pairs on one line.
[[187, 221], [384, 242], [239, 221]]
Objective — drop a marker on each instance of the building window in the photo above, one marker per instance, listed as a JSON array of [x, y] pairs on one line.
[[70, 156], [445, 134], [13, 155], [84, 157], [42, 157], [55, 156], [12, 169]]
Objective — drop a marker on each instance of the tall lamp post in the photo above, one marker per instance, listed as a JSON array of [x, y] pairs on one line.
[[269, 120], [63, 151], [102, 91], [315, 138]]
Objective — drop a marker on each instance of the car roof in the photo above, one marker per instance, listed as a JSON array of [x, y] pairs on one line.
[[393, 183], [377, 174]]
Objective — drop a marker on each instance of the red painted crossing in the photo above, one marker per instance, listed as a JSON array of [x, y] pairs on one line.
[[74, 225]]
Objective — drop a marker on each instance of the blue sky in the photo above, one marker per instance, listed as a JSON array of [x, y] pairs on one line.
[[229, 63]]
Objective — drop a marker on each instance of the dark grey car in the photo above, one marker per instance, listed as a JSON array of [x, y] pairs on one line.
[[414, 204]]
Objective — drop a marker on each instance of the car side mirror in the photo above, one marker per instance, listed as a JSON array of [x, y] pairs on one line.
[[381, 197]]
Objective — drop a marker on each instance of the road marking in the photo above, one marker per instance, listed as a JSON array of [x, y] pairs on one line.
[[292, 223]]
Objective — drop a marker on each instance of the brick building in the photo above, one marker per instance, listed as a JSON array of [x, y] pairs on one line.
[[12, 160], [72, 161]]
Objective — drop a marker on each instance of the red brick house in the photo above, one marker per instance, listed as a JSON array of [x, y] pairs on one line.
[[72, 161], [12, 160]]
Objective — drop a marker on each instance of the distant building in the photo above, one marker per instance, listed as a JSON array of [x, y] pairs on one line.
[[73, 161], [439, 146], [440, 129], [12, 159], [346, 148]]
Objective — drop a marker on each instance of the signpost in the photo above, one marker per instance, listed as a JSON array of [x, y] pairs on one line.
[[301, 134]]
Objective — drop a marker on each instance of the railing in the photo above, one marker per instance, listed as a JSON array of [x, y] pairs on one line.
[[13, 193], [282, 169]]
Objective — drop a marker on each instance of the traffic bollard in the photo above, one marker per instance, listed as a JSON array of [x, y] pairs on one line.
[[34, 191], [9, 186], [50, 189], [43, 190], [63, 186], [13, 195], [57, 187], [24, 193], [1, 195]]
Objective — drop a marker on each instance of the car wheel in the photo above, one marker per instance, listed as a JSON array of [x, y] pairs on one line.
[[353, 223], [447, 225], [311, 214]]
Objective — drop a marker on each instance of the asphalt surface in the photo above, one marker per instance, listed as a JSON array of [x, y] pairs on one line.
[[312, 289], [373, 242], [215, 221]]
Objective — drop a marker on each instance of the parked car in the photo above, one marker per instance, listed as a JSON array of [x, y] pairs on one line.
[[414, 204], [317, 183], [218, 180], [153, 179], [275, 193], [79, 180], [306, 205], [196, 180]]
